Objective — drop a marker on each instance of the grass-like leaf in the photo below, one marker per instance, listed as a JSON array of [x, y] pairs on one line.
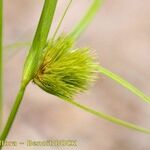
[[109, 118], [86, 20], [1, 62], [124, 83]]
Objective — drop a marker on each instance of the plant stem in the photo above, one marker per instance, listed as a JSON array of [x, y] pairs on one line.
[[124, 83], [1, 63], [13, 113], [109, 118], [32, 60], [86, 19]]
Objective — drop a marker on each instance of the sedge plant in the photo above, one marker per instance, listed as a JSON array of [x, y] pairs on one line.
[[59, 68]]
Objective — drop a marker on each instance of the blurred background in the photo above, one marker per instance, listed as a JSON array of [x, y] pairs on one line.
[[120, 37]]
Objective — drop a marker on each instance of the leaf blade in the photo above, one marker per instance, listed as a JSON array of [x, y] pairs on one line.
[[1, 62], [82, 25], [40, 39], [124, 83], [109, 118]]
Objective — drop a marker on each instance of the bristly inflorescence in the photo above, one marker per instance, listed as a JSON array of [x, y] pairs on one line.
[[65, 72]]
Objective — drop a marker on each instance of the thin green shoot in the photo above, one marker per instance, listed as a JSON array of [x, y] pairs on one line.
[[83, 24], [13, 114], [17, 45], [61, 20], [1, 63]]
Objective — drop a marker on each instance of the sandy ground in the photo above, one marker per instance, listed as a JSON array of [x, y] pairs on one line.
[[119, 35]]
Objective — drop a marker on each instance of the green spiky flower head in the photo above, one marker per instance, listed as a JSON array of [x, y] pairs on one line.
[[65, 72]]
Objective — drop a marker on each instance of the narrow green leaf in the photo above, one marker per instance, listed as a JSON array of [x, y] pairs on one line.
[[1, 62], [109, 118], [124, 83], [87, 18], [40, 39], [61, 20]]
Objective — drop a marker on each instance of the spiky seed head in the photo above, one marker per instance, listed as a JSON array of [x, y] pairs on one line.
[[65, 72]]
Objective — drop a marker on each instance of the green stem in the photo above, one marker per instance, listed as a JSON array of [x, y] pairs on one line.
[[1, 62], [87, 19], [32, 60], [109, 118], [13, 114], [124, 83]]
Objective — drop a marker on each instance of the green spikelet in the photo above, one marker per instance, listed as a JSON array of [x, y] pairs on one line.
[[65, 72]]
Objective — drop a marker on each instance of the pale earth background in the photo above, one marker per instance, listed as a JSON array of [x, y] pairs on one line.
[[120, 37]]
